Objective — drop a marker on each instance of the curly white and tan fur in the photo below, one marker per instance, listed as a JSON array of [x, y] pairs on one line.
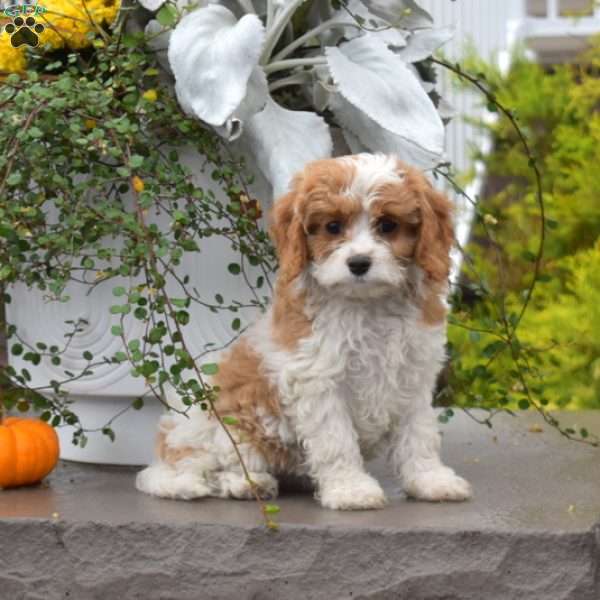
[[343, 364]]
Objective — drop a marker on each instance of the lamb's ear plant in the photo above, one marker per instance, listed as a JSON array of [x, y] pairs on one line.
[[241, 66]]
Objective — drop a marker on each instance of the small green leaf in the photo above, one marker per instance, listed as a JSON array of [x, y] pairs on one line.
[[528, 256], [156, 334], [228, 420], [182, 317], [108, 432], [14, 178], [134, 345], [136, 161], [272, 509], [167, 15], [210, 369], [5, 271]]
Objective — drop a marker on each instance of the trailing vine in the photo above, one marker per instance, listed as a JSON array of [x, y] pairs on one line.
[[92, 194]]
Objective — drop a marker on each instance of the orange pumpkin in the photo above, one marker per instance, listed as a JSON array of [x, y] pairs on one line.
[[28, 451]]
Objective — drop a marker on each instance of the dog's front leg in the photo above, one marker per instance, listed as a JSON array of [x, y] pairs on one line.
[[325, 430], [416, 458]]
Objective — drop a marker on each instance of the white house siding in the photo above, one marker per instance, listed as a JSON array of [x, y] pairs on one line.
[[483, 24], [550, 32]]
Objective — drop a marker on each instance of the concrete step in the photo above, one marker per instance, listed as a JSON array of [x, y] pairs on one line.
[[531, 532]]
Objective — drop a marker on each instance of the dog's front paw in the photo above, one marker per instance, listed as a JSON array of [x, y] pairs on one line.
[[357, 492], [438, 485]]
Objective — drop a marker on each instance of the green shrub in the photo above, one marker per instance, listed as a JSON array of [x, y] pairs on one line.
[[556, 342]]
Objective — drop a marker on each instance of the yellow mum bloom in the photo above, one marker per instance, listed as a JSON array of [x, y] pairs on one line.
[[138, 184], [150, 95], [12, 60], [66, 24], [68, 21]]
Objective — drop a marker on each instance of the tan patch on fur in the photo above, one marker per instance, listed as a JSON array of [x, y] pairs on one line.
[[314, 200], [244, 390], [396, 203], [324, 177], [433, 309], [161, 445], [290, 323], [320, 212], [166, 453], [174, 455], [433, 251], [425, 233]]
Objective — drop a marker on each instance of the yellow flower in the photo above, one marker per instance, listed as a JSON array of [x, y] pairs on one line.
[[67, 23], [138, 184], [150, 95], [12, 60]]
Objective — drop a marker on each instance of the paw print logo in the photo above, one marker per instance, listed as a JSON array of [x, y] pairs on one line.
[[24, 31]]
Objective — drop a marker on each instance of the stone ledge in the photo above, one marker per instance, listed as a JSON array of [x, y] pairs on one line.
[[529, 533]]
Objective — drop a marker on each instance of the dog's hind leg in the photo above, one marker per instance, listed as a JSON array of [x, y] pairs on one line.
[[234, 484], [230, 480], [167, 481], [184, 471], [181, 469]]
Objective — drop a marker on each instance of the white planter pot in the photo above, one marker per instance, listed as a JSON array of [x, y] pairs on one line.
[[111, 388]]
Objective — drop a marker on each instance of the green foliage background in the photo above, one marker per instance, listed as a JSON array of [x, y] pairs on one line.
[[559, 336]]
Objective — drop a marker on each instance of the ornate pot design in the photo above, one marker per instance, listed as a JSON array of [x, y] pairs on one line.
[[110, 389]]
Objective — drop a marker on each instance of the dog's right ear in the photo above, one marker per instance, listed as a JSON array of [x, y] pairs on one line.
[[288, 234]]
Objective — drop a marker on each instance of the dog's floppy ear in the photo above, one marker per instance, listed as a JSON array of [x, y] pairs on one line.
[[433, 252], [287, 232], [436, 235]]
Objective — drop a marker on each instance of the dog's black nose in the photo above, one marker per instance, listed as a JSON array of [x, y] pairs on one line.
[[359, 264]]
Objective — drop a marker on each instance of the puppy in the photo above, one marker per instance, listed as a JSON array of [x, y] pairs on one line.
[[344, 362]]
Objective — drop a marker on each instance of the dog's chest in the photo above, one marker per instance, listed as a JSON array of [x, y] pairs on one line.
[[382, 355]]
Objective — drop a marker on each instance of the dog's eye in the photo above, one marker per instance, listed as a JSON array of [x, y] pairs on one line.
[[334, 227], [386, 226]]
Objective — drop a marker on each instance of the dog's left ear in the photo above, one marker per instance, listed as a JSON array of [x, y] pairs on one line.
[[436, 235], [287, 232]]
